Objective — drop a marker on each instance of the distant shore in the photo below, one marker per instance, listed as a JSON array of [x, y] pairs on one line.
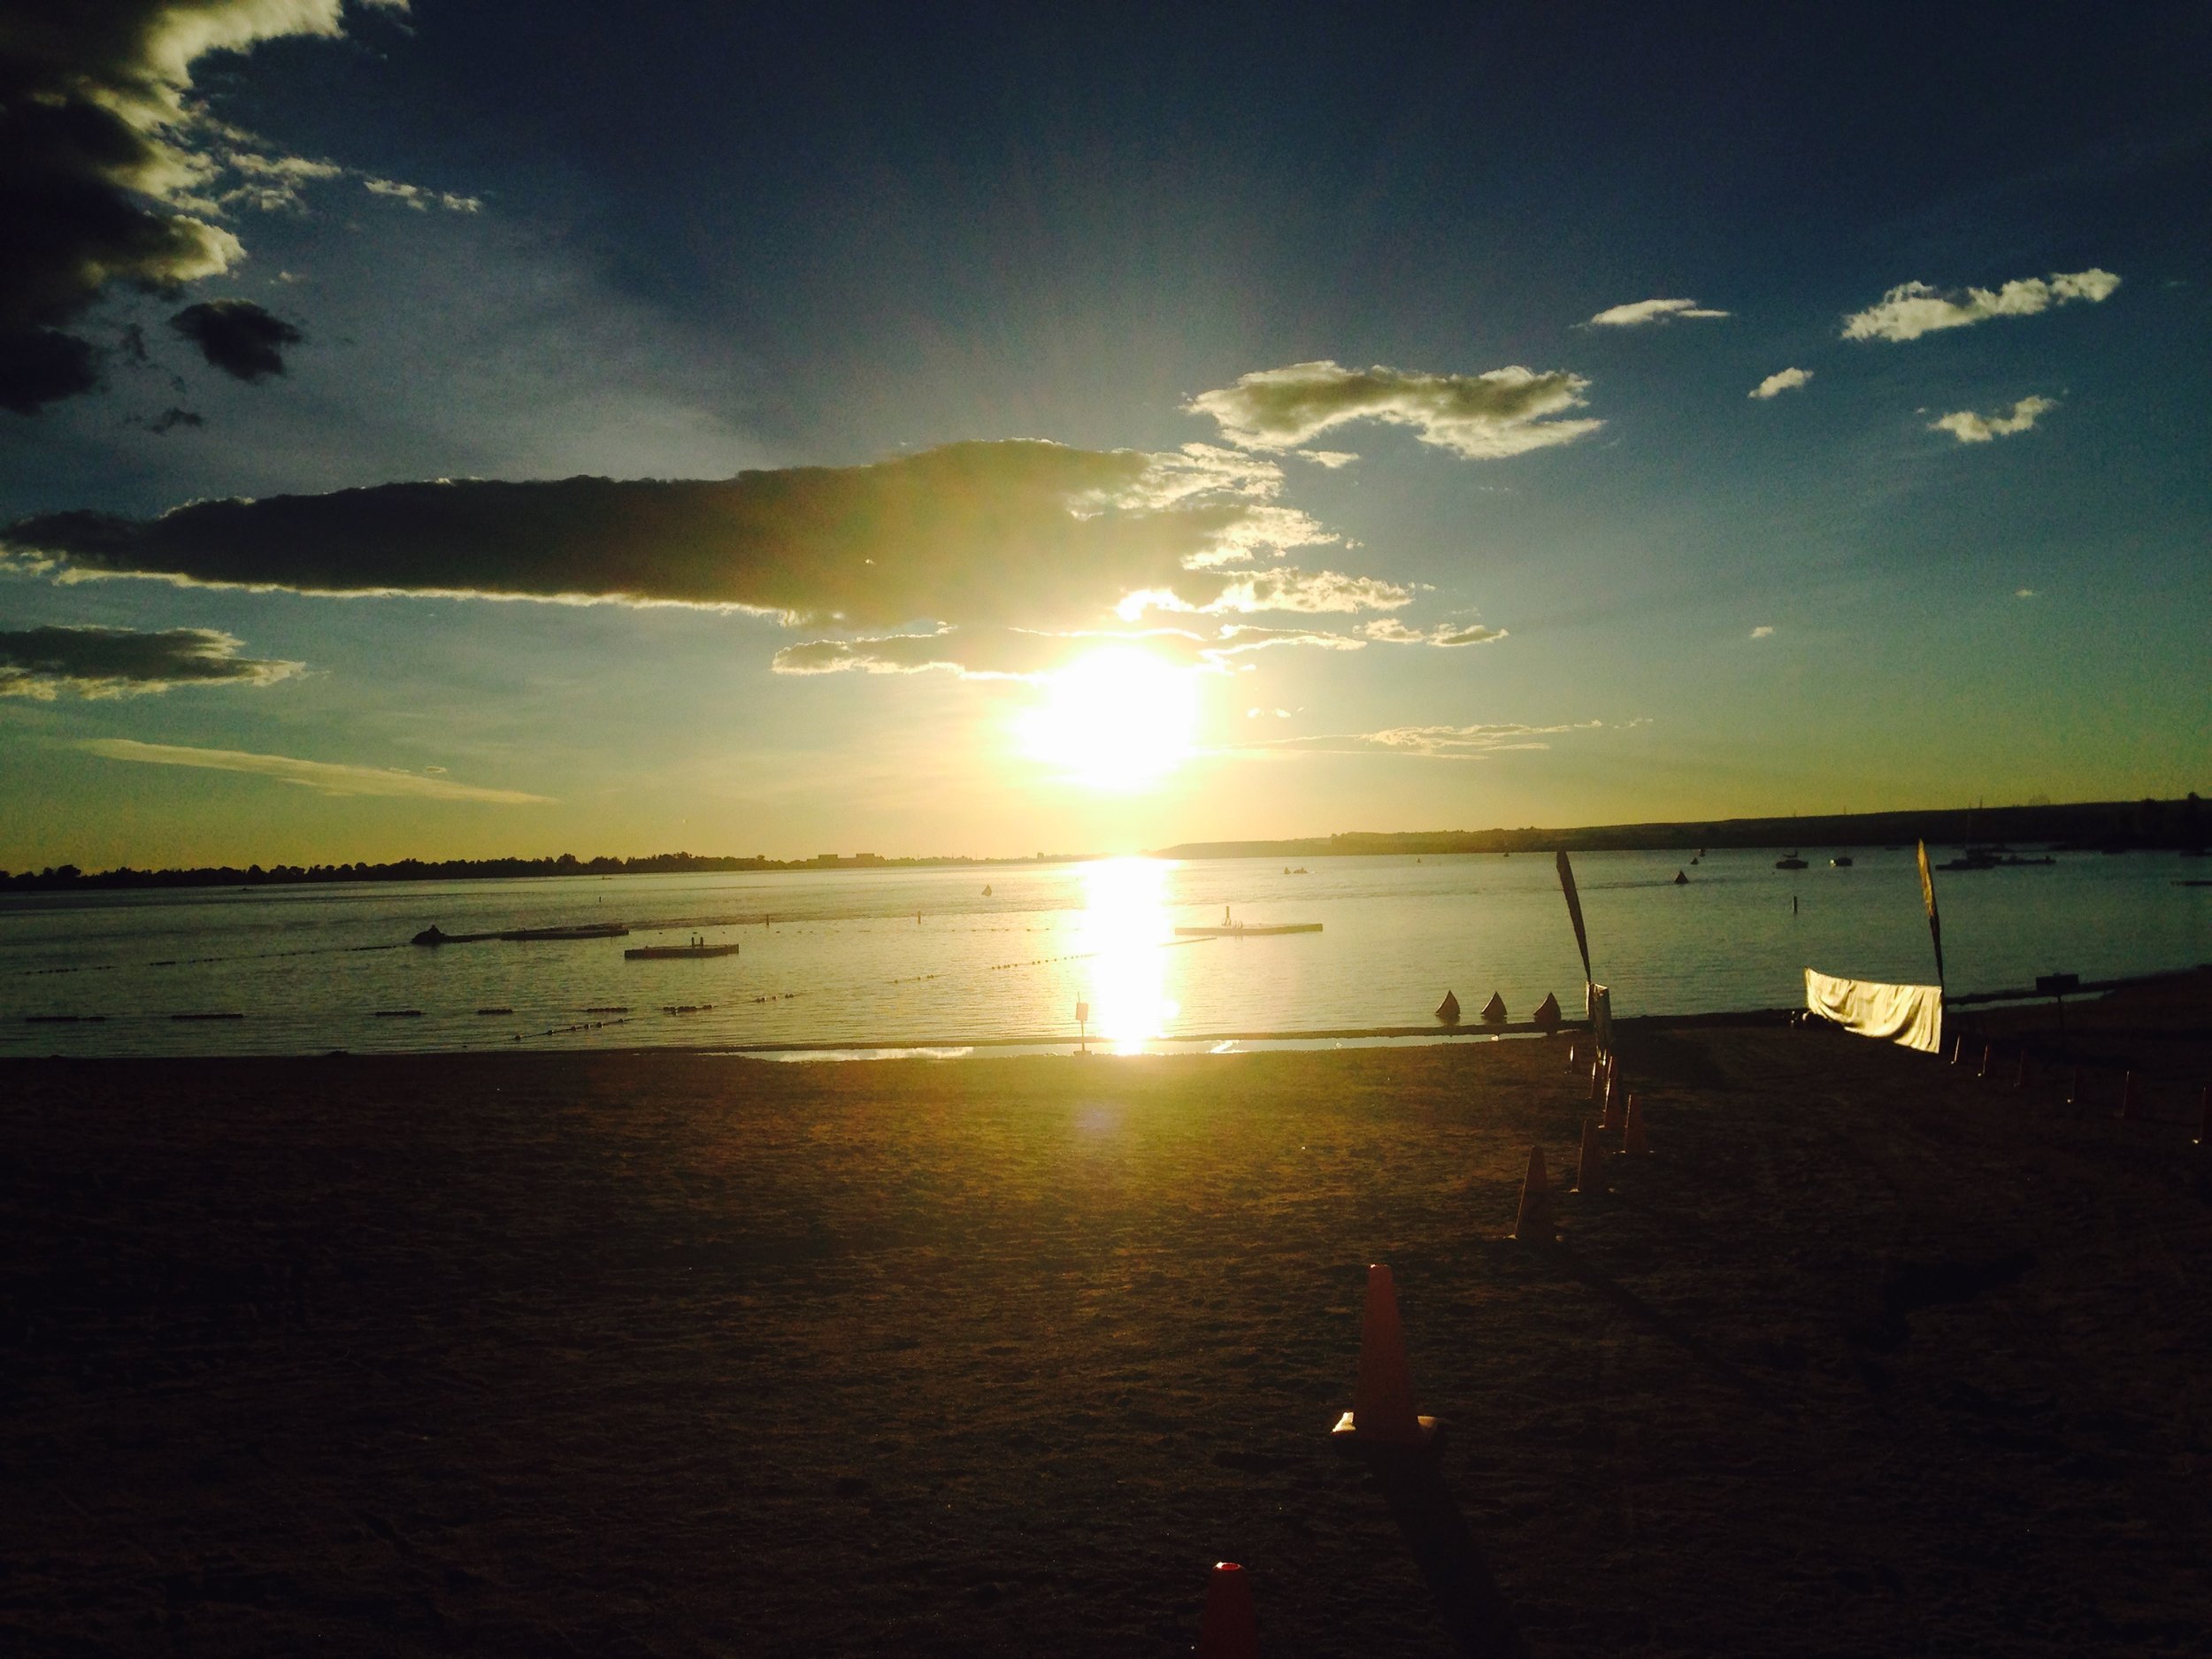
[[2095, 825]]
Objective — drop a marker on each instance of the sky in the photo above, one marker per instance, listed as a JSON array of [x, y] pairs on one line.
[[445, 430]]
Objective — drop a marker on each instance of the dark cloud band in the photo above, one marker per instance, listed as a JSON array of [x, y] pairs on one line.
[[1019, 533], [41, 663]]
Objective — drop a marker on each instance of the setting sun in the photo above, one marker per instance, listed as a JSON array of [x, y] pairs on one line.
[[1118, 719]]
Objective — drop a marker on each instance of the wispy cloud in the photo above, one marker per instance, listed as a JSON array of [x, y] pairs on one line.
[[324, 777], [1913, 309], [1781, 380], [1434, 742], [1764, 630], [1024, 654], [1969, 428], [98, 663], [1391, 631], [1483, 417], [1637, 313]]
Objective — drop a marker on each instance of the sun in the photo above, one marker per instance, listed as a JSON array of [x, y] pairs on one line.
[[1118, 719]]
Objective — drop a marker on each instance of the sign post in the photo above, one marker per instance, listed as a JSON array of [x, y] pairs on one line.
[[1083, 1022]]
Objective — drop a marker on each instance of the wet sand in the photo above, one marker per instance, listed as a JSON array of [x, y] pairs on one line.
[[674, 1354]]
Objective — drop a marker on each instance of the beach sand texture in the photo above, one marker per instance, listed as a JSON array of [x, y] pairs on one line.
[[670, 1353]]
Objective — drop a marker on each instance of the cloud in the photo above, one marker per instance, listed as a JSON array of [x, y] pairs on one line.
[[1332, 459], [1018, 533], [1482, 417], [1913, 309], [1031, 654], [113, 171], [1969, 428], [1764, 630], [1638, 312], [1468, 742], [1781, 380], [237, 336], [324, 777], [2025, 593], [1391, 632], [40, 662], [418, 198], [1278, 587]]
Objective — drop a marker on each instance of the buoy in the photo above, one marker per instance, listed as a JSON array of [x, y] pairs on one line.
[[1225, 1629], [2130, 1101], [1493, 1010], [1547, 1014], [1633, 1144], [1588, 1181], [1382, 1415], [1447, 1011], [1681, 880], [1533, 1225]]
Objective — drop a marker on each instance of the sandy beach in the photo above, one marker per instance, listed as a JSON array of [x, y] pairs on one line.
[[669, 1352]]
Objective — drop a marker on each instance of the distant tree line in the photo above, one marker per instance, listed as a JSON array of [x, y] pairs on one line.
[[63, 877]]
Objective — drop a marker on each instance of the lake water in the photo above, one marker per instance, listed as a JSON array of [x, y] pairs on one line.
[[840, 957]]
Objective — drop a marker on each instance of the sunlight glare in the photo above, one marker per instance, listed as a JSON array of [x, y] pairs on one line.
[[1118, 719], [1126, 926]]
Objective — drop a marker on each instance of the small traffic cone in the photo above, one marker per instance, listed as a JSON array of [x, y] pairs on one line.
[[1988, 1049], [2204, 1117], [1225, 1629], [1633, 1144], [1588, 1180], [2130, 1101], [1382, 1414], [1533, 1225], [2020, 1078]]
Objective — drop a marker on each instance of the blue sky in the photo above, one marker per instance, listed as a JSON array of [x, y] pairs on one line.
[[1578, 571]]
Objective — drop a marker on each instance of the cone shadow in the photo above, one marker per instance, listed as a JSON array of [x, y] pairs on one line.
[[1666, 1326], [1469, 1603]]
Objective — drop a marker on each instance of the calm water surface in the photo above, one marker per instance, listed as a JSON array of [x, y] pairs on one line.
[[840, 956]]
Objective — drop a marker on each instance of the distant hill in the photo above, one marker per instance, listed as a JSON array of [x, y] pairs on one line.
[[2117, 825]]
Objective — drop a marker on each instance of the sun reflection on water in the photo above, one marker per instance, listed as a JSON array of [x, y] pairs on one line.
[[1126, 924]]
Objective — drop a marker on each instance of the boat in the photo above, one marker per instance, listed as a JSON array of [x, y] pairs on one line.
[[1842, 861], [1791, 863], [1249, 930], [436, 935], [698, 948]]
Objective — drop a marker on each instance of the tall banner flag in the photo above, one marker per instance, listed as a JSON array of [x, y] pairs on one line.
[[1927, 897], [1574, 913]]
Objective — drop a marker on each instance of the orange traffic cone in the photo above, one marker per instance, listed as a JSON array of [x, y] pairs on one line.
[[1587, 1165], [2130, 1101], [1534, 1224], [1634, 1144], [1225, 1629], [1382, 1414]]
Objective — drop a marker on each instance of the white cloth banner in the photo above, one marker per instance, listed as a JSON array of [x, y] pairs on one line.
[[1907, 1014]]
